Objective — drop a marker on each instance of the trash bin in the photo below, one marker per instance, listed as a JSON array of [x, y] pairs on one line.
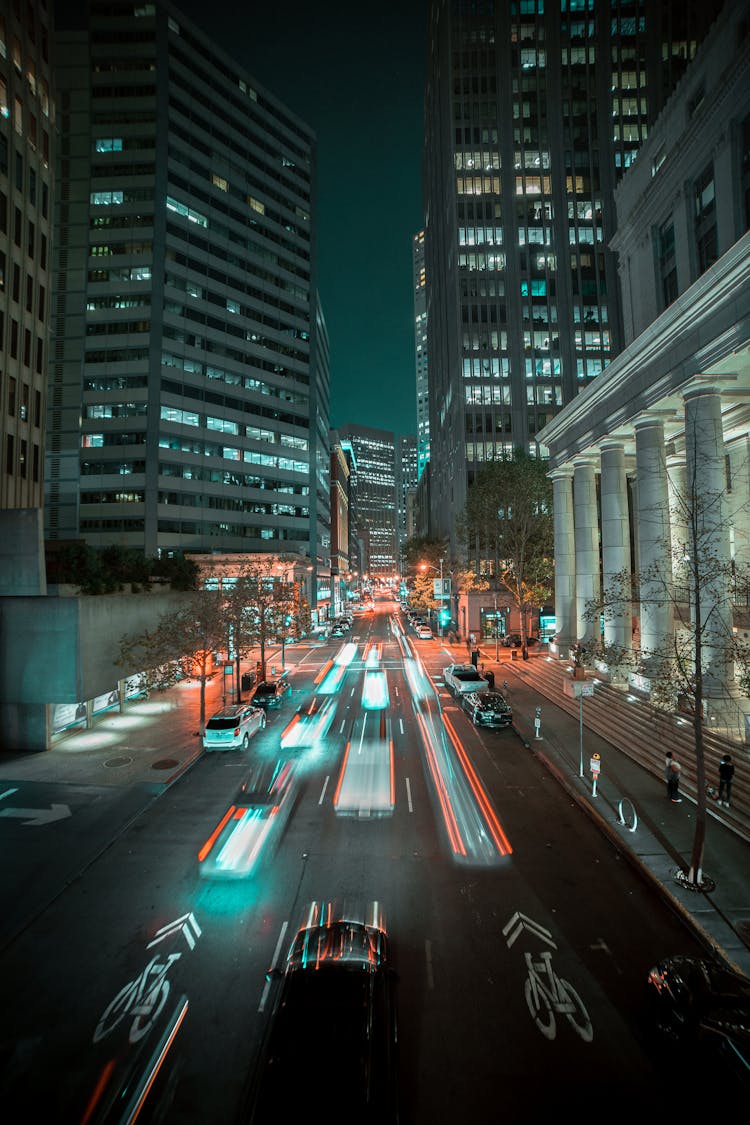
[[514, 654], [475, 657], [248, 679]]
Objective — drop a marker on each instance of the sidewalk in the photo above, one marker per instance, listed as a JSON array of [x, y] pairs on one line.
[[630, 805]]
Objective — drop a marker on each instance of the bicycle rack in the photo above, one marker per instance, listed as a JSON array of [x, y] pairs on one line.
[[622, 808]]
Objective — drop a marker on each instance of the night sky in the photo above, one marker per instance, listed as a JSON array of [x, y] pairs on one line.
[[354, 73]]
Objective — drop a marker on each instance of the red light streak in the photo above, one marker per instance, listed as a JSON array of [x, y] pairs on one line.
[[99, 1089], [341, 775], [502, 843], [448, 814], [210, 841], [323, 671]]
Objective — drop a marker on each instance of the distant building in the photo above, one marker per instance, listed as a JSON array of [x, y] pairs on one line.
[[27, 151], [340, 572], [661, 440], [420, 353], [406, 482], [533, 112], [188, 406], [374, 494]]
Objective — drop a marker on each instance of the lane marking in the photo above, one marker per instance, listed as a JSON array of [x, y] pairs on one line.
[[401, 725], [428, 958], [323, 791], [408, 795], [267, 986]]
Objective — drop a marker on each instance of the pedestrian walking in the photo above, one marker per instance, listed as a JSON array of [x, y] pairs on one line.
[[726, 773], [668, 770], [673, 782]]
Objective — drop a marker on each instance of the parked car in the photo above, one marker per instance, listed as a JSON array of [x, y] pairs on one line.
[[424, 632], [463, 678], [487, 709], [512, 640], [271, 693], [232, 728], [333, 1025], [253, 824], [701, 1009]]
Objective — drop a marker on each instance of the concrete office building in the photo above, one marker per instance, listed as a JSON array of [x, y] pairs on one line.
[[661, 440], [420, 353], [374, 496], [27, 145], [188, 402], [533, 112]]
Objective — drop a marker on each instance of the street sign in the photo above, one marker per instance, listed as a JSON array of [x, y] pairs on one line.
[[441, 588], [586, 689], [595, 764]]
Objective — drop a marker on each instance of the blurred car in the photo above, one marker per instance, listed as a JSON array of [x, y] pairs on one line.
[[251, 827], [232, 728], [271, 693], [702, 1009], [337, 631], [424, 632], [512, 640], [487, 709], [333, 1027], [463, 678]]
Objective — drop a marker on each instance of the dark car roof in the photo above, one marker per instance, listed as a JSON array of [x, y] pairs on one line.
[[491, 698]]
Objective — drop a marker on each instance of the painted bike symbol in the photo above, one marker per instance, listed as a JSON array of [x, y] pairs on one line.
[[555, 997], [141, 1000]]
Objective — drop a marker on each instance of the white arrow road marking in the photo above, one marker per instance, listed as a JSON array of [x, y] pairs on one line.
[[35, 817], [520, 922], [187, 924]]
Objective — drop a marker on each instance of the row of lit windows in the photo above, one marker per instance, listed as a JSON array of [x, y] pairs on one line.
[[201, 529], [198, 500], [232, 379]]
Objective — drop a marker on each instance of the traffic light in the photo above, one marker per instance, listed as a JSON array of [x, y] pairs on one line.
[[444, 616]]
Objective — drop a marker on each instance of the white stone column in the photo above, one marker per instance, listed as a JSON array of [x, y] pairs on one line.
[[739, 500], [654, 542], [616, 573], [565, 561], [710, 573], [678, 516], [586, 517]]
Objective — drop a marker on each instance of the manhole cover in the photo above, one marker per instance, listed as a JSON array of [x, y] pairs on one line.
[[165, 764], [114, 763]]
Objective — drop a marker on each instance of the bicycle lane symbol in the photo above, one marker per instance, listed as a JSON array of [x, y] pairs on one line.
[[142, 1000], [548, 995]]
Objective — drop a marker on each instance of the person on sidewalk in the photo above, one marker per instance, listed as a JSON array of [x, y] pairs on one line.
[[673, 782], [726, 773], [668, 770]]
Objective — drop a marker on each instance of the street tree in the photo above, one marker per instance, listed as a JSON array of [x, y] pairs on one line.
[[182, 643], [260, 606], [507, 523]]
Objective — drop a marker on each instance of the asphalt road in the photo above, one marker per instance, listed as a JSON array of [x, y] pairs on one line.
[[116, 889]]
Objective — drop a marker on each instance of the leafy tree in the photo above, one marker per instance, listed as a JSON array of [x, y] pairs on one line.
[[424, 549], [183, 643], [508, 523], [257, 608]]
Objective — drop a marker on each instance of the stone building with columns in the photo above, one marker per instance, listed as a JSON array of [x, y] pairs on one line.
[[663, 434]]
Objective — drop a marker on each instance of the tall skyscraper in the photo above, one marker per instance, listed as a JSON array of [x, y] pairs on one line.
[[406, 482], [533, 111], [27, 133], [374, 495], [420, 353], [189, 368]]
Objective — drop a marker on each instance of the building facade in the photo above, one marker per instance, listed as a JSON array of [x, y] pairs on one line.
[[27, 151], [533, 111], [420, 352], [188, 405], [374, 496], [407, 471], [660, 443]]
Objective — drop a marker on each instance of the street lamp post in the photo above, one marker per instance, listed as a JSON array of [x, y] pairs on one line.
[[497, 657]]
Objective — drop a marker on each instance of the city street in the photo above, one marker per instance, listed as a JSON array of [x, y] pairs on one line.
[[520, 938]]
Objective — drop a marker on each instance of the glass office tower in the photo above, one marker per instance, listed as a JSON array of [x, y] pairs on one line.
[[533, 111], [188, 375]]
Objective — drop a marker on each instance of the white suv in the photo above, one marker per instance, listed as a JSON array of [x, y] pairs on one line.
[[232, 728]]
